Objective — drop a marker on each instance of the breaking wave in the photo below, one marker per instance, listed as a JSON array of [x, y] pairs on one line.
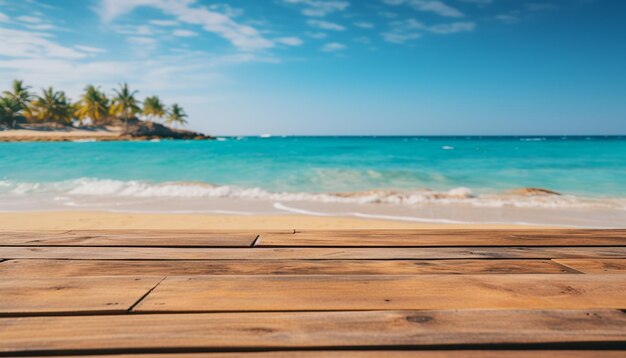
[[99, 188]]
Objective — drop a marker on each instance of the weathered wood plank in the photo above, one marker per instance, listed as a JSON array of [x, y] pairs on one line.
[[379, 292], [130, 238], [388, 354], [307, 330], [445, 238], [67, 268], [148, 253], [53, 295], [614, 266]]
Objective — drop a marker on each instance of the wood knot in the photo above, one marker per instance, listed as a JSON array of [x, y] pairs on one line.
[[419, 319]]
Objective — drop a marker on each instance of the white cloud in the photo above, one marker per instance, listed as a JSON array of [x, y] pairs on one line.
[[163, 22], [141, 30], [403, 31], [411, 29], [226, 10], [26, 44], [320, 7], [29, 19], [3, 18], [241, 36], [326, 25], [452, 28], [434, 6], [333, 46], [41, 27], [142, 46], [479, 2], [169, 76], [289, 41], [140, 40], [90, 49], [364, 25], [184, 33], [35, 23], [399, 38]]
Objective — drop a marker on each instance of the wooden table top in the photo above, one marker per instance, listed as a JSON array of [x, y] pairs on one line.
[[361, 293]]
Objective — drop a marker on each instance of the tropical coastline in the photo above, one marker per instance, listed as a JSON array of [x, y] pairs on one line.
[[52, 117], [99, 134]]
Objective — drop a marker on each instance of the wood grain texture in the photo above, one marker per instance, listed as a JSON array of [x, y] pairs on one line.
[[309, 330], [67, 268], [130, 238], [445, 238], [609, 266], [149, 253], [334, 294], [72, 295], [379, 292], [388, 354]]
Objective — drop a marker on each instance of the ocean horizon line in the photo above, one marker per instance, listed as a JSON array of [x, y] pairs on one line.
[[456, 136]]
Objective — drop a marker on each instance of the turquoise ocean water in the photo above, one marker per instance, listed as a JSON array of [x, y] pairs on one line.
[[589, 166], [376, 175]]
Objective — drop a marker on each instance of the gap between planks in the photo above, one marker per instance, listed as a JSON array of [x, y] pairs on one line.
[[153, 238], [480, 352], [352, 238], [73, 295], [132, 307], [606, 266], [445, 238]]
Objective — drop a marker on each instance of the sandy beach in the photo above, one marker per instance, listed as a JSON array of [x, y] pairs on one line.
[[106, 220], [58, 135]]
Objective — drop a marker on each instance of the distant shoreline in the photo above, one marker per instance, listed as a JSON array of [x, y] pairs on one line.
[[106, 134]]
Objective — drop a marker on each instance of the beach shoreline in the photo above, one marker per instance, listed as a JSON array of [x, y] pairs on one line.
[[98, 220], [95, 134], [413, 180], [69, 134]]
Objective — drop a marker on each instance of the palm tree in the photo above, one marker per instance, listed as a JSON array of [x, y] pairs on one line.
[[125, 105], [176, 115], [153, 108], [10, 111], [93, 105], [52, 106], [20, 95]]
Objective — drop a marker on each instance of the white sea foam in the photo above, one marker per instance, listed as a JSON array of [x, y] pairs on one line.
[[281, 206], [86, 188], [84, 140]]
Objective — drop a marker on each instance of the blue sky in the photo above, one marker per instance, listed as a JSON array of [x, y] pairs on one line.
[[338, 66]]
